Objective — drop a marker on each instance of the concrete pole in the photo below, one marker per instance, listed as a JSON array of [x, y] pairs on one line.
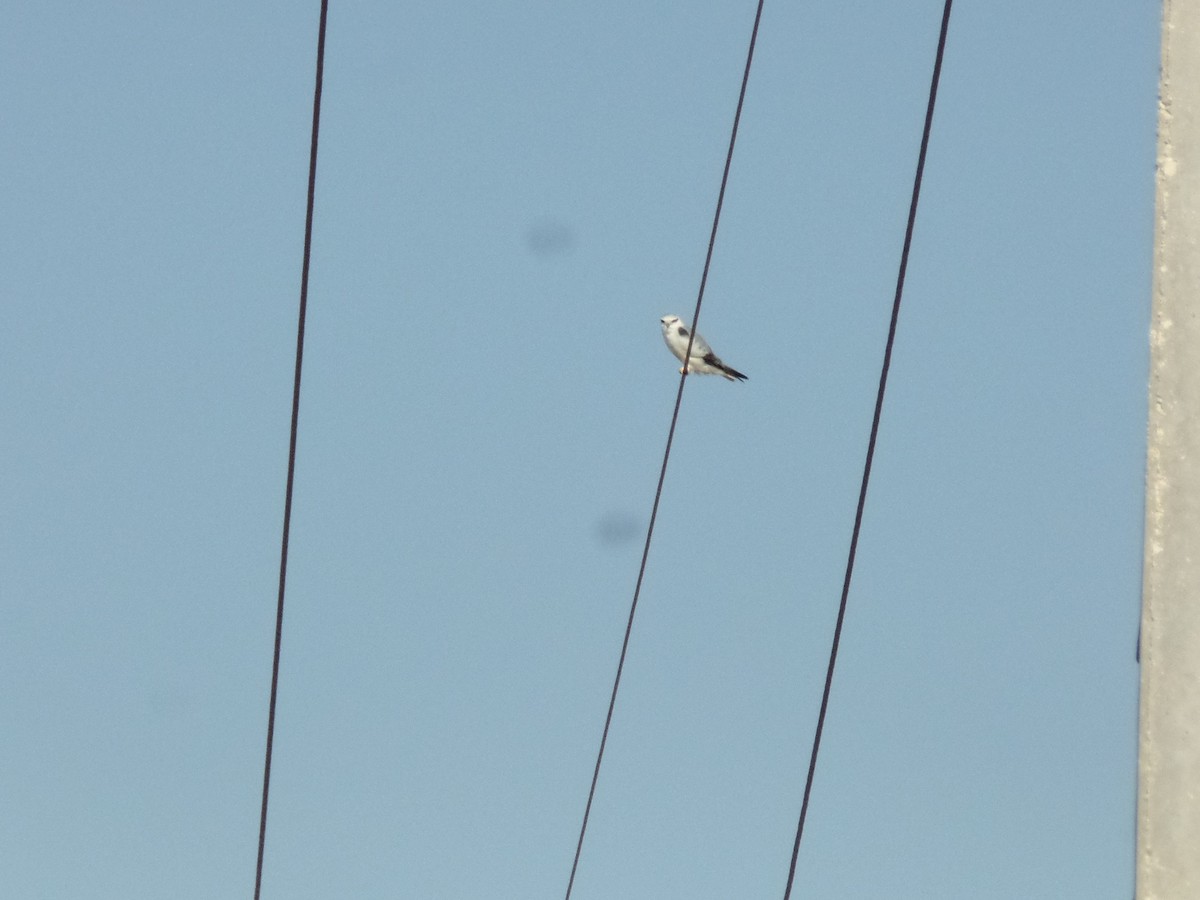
[[1168, 814]]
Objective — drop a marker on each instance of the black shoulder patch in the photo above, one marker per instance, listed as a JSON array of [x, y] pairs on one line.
[[682, 331]]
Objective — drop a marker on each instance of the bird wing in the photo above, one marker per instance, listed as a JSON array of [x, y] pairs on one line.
[[700, 348], [728, 371]]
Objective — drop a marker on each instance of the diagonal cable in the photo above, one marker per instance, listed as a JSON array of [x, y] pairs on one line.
[[291, 467], [712, 239], [866, 477]]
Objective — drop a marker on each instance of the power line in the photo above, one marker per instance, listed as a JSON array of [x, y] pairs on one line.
[[866, 477], [712, 239], [291, 467]]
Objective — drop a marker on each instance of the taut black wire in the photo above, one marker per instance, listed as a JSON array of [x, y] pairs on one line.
[[637, 590], [291, 468], [862, 493]]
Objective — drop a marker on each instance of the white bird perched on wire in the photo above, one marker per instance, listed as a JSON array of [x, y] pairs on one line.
[[702, 361]]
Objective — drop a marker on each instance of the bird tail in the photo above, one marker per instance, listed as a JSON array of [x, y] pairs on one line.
[[731, 373]]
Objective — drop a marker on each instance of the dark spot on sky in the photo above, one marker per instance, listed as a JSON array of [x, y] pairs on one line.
[[616, 528], [549, 237]]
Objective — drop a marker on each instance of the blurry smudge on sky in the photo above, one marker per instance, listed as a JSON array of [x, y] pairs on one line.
[[549, 237], [616, 528]]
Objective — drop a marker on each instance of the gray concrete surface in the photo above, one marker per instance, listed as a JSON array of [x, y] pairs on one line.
[[1168, 808]]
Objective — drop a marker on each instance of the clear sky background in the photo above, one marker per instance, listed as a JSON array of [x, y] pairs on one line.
[[509, 196]]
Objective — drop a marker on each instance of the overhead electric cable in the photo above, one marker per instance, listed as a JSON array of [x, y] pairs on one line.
[[291, 466], [637, 590], [866, 477]]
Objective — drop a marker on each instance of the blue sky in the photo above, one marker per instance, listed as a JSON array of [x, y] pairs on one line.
[[508, 199]]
